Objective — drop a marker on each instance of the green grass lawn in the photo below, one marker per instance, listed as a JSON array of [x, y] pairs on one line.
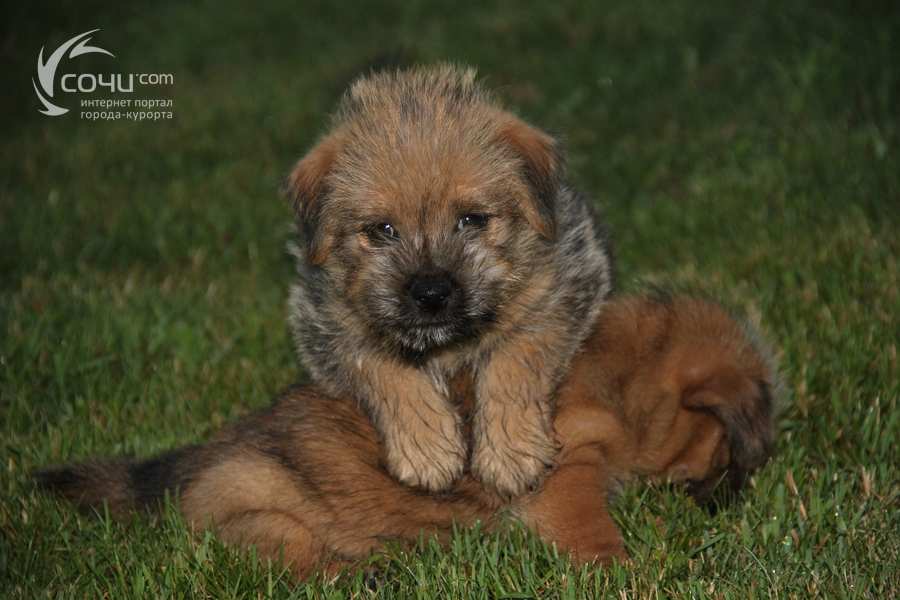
[[746, 149]]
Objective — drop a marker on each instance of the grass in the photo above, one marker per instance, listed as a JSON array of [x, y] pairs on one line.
[[750, 149]]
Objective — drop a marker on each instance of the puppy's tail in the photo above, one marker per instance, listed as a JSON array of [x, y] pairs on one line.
[[122, 485]]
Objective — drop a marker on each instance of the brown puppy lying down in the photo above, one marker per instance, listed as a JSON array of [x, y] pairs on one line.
[[666, 387]]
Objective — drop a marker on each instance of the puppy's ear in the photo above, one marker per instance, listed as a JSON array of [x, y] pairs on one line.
[[306, 188], [542, 164], [745, 409]]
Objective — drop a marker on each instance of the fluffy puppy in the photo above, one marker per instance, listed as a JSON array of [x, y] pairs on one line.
[[439, 237], [665, 387]]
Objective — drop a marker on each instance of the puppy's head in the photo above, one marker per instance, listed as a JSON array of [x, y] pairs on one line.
[[429, 207]]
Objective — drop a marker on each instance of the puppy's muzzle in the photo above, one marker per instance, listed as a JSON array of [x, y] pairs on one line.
[[432, 293]]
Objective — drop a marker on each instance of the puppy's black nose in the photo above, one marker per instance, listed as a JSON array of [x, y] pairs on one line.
[[431, 293]]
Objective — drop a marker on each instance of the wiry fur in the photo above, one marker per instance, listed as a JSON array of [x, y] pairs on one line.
[[417, 149], [666, 387]]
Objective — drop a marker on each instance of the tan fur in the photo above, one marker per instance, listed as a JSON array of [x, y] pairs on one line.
[[669, 388], [255, 494]]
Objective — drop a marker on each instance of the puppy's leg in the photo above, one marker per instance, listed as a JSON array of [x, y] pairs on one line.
[[570, 508], [424, 445], [513, 443], [275, 535], [251, 499]]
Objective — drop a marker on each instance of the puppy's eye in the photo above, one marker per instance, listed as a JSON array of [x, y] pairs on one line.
[[472, 221], [382, 232]]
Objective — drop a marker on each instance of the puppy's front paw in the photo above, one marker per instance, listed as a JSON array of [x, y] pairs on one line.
[[426, 458], [513, 466]]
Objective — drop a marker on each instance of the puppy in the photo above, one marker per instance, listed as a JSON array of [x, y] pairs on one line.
[[439, 236], [666, 387]]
